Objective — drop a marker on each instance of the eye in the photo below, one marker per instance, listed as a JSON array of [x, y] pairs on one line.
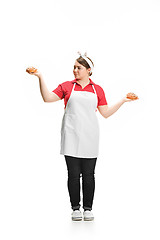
[[79, 67]]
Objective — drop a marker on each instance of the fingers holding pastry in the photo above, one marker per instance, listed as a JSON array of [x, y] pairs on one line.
[[132, 96], [31, 70]]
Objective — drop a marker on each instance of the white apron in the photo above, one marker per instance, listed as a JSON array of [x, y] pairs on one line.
[[80, 127]]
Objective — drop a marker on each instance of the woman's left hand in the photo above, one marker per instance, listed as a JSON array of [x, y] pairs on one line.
[[130, 97], [125, 99]]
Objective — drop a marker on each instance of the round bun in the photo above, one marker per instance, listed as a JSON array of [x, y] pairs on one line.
[[132, 96], [31, 70]]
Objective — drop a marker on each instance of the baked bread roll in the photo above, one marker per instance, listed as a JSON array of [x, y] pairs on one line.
[[132, 96], [31, 70]]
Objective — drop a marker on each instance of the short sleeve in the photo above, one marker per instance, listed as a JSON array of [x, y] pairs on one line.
[[101, 97], [59, 91]]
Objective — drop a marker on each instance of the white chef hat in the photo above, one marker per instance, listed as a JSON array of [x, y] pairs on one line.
[[87, 60]]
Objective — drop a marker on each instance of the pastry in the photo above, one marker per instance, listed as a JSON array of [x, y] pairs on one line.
[[132, 96], [31, 70]]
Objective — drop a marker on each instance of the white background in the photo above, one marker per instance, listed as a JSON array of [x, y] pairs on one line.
[[122, 38]]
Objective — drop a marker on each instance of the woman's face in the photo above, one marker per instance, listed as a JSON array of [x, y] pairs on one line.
[[80, 71]]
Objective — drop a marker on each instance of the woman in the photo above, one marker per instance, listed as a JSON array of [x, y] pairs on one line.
[[80, 130]]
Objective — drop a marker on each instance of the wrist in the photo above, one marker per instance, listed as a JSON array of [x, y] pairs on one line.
[[123, 100], [39, 75]]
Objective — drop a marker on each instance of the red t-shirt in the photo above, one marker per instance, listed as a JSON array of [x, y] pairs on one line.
[[64, 90]]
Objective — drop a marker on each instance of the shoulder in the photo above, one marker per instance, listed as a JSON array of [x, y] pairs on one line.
[[65, 86], [99, 88]]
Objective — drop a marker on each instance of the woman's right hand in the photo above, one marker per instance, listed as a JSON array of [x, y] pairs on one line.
[[36, 73]]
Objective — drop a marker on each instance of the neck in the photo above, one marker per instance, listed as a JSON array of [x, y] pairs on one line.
[[84, 80]]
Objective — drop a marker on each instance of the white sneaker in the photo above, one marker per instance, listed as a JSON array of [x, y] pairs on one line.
[[88, 215], [76, 215]]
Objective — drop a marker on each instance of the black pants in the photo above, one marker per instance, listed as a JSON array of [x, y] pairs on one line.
[[78, 167]]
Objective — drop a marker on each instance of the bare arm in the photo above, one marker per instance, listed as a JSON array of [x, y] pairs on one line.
[[107, 111], [46, 94]]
